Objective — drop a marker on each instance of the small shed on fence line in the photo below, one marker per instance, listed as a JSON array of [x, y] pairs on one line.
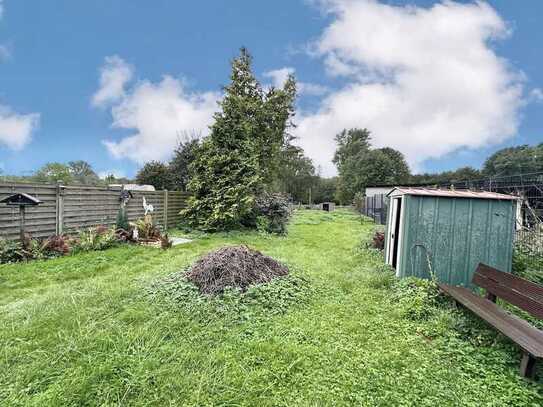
[[448, 233], [327, 206]]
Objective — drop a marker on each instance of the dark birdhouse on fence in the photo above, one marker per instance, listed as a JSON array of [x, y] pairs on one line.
[[22, 201]]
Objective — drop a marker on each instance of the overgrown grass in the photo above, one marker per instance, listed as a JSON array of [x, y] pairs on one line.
[[110, 328]]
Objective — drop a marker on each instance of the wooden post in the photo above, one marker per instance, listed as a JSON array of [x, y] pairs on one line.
[[22, 223], [527, 366], [60, 210], [165, 206]]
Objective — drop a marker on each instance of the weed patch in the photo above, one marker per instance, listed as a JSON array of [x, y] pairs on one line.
[[260, 300]]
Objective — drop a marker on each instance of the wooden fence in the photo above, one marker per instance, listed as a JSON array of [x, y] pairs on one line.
[[67, 209]]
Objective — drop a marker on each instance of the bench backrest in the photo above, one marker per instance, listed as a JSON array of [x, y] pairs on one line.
[[515, 290]]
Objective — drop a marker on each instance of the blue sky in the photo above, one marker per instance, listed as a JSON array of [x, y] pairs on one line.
[[364, 63]]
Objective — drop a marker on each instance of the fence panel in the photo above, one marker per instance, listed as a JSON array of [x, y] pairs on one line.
[[67, 209], [84, 207], [40, 221]]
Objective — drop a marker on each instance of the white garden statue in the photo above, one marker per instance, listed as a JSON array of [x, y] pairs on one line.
[[148, 208]]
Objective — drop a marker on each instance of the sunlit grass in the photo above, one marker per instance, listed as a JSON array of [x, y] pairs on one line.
[[81, 330]]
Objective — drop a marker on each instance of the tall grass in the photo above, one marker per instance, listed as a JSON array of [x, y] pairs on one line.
[[83, 330]]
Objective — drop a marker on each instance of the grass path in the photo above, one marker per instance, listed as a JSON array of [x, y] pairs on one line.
[[80, 331]]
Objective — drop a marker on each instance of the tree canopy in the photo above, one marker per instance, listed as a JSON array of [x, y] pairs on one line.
[[154, 173], [360, 165], [522, 159]]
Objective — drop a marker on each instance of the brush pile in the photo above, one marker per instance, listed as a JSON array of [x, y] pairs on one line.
[[235, 267]]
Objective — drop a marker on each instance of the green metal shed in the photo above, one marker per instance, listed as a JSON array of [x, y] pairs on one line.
[[448, 233]]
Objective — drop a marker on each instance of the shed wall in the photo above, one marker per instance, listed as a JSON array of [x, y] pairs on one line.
[[453, 235]]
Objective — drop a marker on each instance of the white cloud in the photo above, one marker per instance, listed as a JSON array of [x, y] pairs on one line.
[[425, 81], [158, 113], [536, 95], [16, 129], [278, 78], [114, 76]]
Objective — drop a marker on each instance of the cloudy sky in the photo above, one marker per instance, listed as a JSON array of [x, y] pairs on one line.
[[116, 83]]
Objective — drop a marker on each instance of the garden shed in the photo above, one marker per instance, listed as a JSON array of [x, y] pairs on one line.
[[448, 233], [327, 206]]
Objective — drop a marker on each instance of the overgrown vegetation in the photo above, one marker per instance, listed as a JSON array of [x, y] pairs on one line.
[[143, 231], [118, 327], [527, 264]]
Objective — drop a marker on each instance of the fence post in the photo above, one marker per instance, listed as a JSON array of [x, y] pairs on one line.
[[59, 227], [165, 208]]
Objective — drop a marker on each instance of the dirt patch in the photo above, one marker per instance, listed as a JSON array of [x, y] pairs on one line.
[[233, 266]]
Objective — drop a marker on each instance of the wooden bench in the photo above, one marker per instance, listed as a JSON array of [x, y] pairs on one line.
[[515, 290]]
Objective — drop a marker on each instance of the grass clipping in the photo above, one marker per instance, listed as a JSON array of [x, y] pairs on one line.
[[235, 267]]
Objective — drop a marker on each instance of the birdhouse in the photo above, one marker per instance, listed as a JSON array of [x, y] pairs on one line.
[[20, 199], [446, 234]]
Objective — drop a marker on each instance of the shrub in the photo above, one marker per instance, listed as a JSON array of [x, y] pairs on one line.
[[98, 238], [417, 298], [10, 251], [272, 213], [147, 230], [54, 246], [378, 240], [122, 220], [57, 245]]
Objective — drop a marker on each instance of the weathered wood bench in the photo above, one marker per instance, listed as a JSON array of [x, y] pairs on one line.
[[516, 291]]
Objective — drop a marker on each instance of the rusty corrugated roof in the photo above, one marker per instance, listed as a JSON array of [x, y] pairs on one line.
[[450, 193]]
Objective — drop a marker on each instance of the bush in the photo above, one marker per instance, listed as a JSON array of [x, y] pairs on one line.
[[378, 240], [147, 230], [272, 213], [57, 245], [98, 238], [54, 246], [10, 251], [122, 220]]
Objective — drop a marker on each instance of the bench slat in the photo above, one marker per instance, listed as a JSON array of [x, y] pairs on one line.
[[515, 290], [519, 331]]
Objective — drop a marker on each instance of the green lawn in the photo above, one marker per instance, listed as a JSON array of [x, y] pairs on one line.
[[83, 330]]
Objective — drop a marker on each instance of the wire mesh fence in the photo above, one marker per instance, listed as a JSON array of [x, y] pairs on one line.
[[376, 207], [528, 187]]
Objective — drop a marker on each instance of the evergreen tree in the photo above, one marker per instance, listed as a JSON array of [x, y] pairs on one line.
[[240, 157]]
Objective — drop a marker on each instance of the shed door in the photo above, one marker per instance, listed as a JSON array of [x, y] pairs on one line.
[[394, 232]]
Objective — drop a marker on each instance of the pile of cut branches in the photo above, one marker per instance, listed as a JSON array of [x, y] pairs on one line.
[[235, 267]]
